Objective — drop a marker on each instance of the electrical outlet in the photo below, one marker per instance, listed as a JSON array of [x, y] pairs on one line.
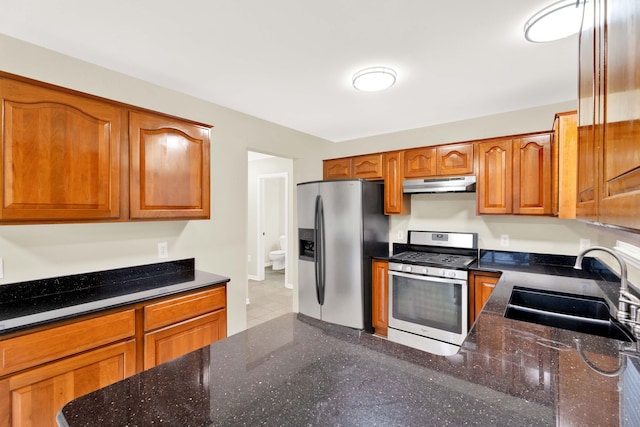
[[400, 235], [163, 250], [248, 258], [504, 240], [584, 244]]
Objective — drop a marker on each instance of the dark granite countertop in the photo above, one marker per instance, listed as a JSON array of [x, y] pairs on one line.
[[296, 371], [39, 302]]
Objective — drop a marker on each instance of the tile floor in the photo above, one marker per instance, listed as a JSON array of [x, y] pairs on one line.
[[269, 298]]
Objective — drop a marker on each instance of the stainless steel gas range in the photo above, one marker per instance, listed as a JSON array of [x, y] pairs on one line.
[[428, 290]]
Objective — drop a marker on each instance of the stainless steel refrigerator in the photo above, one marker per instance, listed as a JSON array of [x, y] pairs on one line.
[[341, 226]]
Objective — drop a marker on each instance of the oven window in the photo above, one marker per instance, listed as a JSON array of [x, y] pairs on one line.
[[434, 304]]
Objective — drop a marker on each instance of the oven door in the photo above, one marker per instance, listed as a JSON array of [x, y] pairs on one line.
[[431, 307]]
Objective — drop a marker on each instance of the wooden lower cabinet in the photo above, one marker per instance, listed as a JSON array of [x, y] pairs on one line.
[[481, 284], [41, 371], [34, 397], [176, 340], [380, 296]]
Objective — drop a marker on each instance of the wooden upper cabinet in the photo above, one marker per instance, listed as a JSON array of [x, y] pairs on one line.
[[336, 168], [586, 200], [395, 201], [619, 157], [455, 159], [514, 175], [60, 155], [532, 175], [494, 186], [169, 167], [564, 152], [369, 166], [609, 118], [420, 162]]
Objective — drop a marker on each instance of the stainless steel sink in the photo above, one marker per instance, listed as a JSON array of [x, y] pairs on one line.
[[589, 315]]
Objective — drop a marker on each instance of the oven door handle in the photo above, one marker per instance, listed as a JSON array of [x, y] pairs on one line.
[[428, 278]]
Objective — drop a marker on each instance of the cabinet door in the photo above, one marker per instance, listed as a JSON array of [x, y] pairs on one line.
[[532, 175], [60, 155], [395, 201], [34, 397], [564, 165], [169, 172], [480, 287], [337, 168], [619, 202], [455, 159], [420, 162], [494, 188], [367, 167], [380, 296], [179, 339]]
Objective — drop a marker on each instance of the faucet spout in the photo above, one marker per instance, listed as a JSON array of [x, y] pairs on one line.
[[626, 298]]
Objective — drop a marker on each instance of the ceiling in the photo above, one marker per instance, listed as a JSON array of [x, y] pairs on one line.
[[291, 61]]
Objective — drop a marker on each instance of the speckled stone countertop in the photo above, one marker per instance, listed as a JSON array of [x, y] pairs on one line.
[[39, 302], [295, 371]]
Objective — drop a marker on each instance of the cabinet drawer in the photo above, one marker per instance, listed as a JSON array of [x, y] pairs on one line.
[[40, 347], [178, 309], [174, 341]]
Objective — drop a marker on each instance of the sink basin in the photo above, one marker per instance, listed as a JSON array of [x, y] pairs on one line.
[[589, 315]]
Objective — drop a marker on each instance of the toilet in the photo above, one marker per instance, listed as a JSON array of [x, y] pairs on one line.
[[278, 257]]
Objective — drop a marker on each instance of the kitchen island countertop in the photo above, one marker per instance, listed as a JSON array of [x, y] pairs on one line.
[[295, 371]]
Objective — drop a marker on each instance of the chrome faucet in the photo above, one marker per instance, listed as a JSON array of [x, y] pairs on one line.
[[628, 304]]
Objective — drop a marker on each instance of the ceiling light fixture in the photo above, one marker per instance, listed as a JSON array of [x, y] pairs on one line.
[[554, 22], [374, 79]]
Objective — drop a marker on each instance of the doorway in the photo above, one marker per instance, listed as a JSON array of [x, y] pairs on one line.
[[269, 290]]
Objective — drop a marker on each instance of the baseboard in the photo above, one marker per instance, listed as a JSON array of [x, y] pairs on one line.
[[288, 285], [252, 277]]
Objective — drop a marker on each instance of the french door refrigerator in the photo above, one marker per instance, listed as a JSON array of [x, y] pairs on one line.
[[341, 227]]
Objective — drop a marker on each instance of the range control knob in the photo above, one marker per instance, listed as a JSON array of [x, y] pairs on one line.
[[407, 268], [451, 273]]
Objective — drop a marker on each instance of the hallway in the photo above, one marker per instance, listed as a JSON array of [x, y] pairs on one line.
[[269, 298]]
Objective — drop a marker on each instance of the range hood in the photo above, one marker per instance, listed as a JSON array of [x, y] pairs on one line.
[[450, 184]]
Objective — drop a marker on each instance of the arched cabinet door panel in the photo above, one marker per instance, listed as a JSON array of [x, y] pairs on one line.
[[60, 155], [169, 168]]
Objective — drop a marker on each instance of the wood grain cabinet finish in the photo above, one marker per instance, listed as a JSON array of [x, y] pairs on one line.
[[380, 296], [564, 163], [494, 186], [420, 162], [169, 168], [34, 397], [395, 201], [42, 371], [60, 155], [369, 166], [455, 159], [514, 175], [440, 160], [532, 175], [179, 325], [336, 168], [481, 285], [609, 119]]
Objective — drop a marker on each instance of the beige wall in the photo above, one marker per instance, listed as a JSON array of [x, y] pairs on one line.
[[219, 245]]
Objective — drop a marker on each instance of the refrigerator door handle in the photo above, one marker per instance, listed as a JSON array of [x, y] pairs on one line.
[[318, 254], [323, 259]]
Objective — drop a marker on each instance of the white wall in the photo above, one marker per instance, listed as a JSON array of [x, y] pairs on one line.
[[219, 245]]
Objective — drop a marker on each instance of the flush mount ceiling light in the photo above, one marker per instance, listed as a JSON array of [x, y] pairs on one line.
[[554, 22], [374, 79]]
